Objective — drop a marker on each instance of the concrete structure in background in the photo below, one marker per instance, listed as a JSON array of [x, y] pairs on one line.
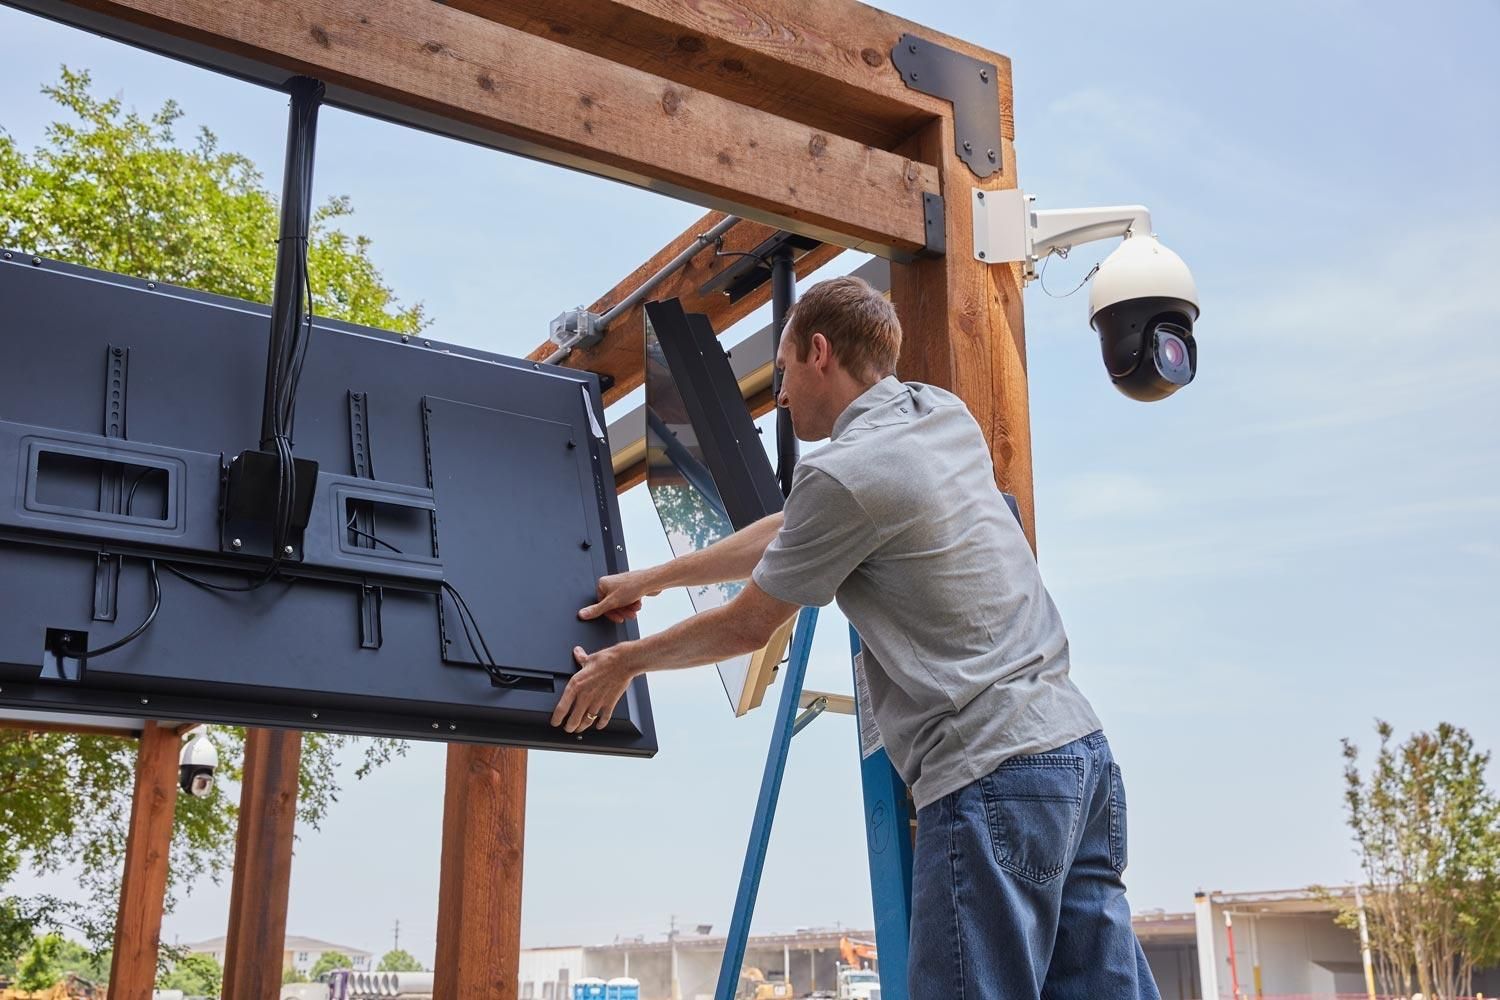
[[300, 953], [1287, 945]]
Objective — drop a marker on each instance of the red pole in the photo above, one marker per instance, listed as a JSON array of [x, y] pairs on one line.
[[1234, 971]]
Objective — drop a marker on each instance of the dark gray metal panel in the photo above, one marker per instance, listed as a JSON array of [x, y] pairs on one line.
[[512, 506], [970, 84]]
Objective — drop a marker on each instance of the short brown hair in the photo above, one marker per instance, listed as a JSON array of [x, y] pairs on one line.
[[859, 322]]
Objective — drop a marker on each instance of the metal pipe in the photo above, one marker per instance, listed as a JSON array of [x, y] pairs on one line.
[[783, 295], [291, 247], [638, 296]]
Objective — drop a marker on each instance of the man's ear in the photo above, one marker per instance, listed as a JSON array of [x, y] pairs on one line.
[[820, 352]]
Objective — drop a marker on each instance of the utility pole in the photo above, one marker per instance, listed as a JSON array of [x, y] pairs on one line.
[[396, 939], [672, 937]]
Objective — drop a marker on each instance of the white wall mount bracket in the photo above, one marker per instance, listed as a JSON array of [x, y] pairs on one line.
[[1008, 229]]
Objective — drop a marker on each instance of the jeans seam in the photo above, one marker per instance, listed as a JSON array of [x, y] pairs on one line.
[[1117, 859], [958, 945]]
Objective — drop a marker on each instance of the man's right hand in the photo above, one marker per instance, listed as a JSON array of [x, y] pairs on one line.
[[619, 598]]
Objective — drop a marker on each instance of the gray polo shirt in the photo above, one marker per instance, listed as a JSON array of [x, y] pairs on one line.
[[899, 518]]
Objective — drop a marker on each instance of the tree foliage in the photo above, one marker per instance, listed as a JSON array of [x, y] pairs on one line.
[[327, 962], [399, 960], [194, 975], [1427, 831], [112, 189]]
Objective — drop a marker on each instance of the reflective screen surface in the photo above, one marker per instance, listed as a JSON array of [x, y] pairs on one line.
[[683, 492]]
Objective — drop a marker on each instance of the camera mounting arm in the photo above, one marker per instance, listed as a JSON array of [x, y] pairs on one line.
[[1008, 229]]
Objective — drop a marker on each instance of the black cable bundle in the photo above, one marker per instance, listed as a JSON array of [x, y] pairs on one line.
[[291, 328]]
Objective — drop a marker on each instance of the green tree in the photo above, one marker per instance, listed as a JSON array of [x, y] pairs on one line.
[[40, 967], [294, 975], [399, 960], [111, 189], [327, 962], [195, 975], [1427, 831]]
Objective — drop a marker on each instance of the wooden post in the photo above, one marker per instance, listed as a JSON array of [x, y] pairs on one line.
[[961, 318], [132, 970], [253, 951], [479, 889]]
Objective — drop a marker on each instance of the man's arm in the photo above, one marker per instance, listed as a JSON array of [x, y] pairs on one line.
[[743, 625], [731, 558]]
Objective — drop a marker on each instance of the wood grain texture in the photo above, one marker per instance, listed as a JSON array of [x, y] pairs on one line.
[[567, 106], [962, 324], [148, 848], [479, 888], [621, 354], [826, 64], [255, 944]]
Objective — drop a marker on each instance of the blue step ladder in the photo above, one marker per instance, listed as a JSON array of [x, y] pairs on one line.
[[888, 822]]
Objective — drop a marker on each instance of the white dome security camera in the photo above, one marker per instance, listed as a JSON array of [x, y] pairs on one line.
[[197, 763], [1143, 304]]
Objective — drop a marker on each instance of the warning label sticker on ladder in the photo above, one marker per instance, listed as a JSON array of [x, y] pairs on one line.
[[869, 732]]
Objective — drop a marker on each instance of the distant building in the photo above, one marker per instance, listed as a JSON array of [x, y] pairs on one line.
[[300, 953], [1286, 945]]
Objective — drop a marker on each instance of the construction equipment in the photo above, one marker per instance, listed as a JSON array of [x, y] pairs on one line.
[[755, 986], [857, 954], [857, 984]]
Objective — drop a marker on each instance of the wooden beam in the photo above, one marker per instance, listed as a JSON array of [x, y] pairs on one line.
[[479, 885], [961, 323], [256, 942], [826, 64], [148, 848], [621, 354], [429, 65]]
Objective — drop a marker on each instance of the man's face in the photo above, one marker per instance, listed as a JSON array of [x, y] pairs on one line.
[[802, 389]]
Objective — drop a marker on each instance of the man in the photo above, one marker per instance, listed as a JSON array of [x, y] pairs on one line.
[[1021, 812]]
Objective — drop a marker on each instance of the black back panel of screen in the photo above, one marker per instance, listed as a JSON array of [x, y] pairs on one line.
[[489, 473]]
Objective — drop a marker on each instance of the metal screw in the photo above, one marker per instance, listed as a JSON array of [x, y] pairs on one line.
[[119, 351], [426, 343], [981, 195], [434, 725], [36, 260], [287, 551], [912, 49], [992, 156], [235, 543], [984, 75], [619, 548], [405, 339], [452, 727], [315, 715], [151, 284], [145, 701], [587, 544], [7, 255], [536, 366], [981, 255], [913, 75], [1031, 197], [968, 146]]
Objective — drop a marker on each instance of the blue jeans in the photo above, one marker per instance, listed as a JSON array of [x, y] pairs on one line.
[[1016, 890]]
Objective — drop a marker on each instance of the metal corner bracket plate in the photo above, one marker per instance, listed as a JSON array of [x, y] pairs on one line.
[[971, 84]]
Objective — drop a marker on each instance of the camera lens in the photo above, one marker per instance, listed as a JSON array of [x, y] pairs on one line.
[[1172, 351]]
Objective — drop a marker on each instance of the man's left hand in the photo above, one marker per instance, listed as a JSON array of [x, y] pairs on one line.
[[589, 699]]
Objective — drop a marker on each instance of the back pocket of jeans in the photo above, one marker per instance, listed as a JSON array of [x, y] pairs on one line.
[[1033, 804], [1118, 851]]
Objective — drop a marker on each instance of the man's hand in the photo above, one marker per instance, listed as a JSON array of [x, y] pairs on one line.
[[590, 697], [619, 598]]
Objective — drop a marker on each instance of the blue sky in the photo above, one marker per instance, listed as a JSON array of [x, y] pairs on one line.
[[1303, 540]]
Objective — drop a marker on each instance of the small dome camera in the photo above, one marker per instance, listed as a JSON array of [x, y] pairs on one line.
[[196, 765], [1143, 305]]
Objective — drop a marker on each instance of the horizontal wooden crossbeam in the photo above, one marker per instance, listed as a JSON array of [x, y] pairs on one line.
[[453, 72], [826, 64]]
